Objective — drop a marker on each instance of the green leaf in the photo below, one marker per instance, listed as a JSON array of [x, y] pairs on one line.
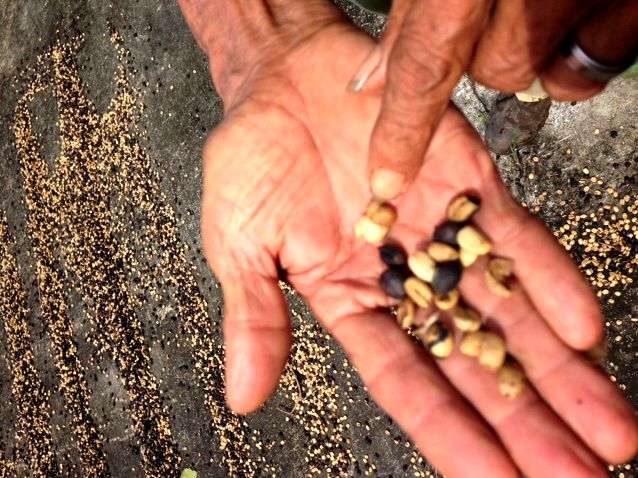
[[188, 473], [632, 72]]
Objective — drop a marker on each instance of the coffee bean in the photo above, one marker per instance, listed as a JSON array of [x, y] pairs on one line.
[[393, 255], [471, 343], [370, 231], [447, 232], [466, 319], [447, 276], [419, 292], [501, 268], [406, 313], [493, 351], [422, 265], [467, 258], [382, 213], [392, 280], [473, 240], [442, 252], [439, 340], [496, 286], [447, 301], [511, 380], [462, 208]]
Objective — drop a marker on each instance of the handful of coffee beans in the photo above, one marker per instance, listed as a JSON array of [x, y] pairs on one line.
[[429, 280]]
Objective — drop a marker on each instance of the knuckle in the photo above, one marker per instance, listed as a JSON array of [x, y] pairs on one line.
[[504, 71], [420, 72], [399, 141]]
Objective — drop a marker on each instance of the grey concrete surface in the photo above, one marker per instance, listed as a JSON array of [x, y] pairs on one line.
[[123, 375]]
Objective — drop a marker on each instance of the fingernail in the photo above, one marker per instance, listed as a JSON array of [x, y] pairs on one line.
[[386, 184], [365, 70]]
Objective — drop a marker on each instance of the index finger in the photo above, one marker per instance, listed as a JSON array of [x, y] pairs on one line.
[[432, 49]]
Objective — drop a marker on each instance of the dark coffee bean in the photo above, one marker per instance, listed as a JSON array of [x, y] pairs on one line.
[[392, 280], [393, 255], [447, 276], [443, 333], [447, 231]]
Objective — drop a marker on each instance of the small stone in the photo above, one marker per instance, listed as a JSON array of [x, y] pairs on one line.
[[418, 291], [447, 233], [474, 241], [369, 231], [447, 276], [462, 208], [466, 319], [442, 252], [393, 255], [392, 280], [447, 301], [422, 265], [493, 351], [511, 380]]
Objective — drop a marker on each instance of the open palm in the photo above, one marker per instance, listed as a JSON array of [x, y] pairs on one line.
[[285, 180]]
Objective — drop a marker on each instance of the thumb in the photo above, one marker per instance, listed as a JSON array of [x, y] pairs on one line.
[[257, 336], [429, 51]]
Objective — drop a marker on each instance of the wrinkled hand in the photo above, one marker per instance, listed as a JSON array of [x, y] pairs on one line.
[[503, 44], [284, 183]]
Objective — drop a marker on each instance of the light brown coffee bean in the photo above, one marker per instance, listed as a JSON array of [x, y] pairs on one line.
[[370, 231], [500, 267], [467, 258], [462, 208], [511, 380], [474, 241], [406, 313], [382, 213], [496, 286], [422, 265], [419, 292], [447, 301], [493, 351], [441, 252], [499, 270], [471, 343], [466, 319]]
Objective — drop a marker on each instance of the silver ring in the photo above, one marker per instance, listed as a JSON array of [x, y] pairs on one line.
[[582, 63]]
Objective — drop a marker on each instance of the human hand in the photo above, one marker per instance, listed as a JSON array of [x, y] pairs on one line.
[[284, 184], [503, 44]]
